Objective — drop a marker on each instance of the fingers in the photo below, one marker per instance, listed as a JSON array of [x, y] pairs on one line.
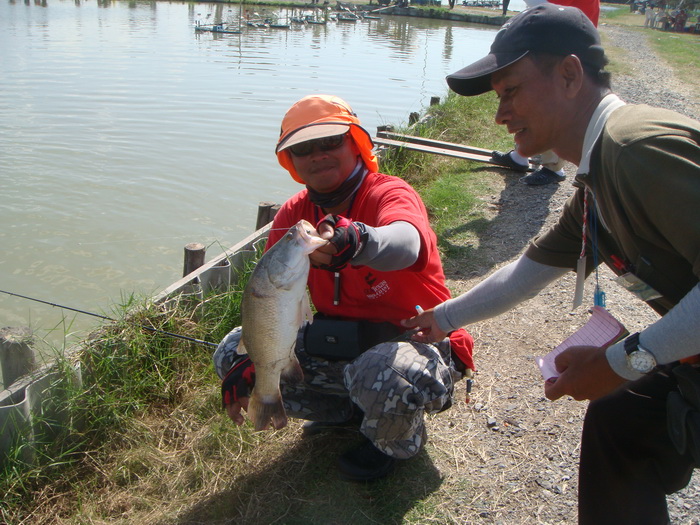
[[323, 255], [325, 230], [413, 322], [319, 258], [234, 411], [552, 391], [428, 329], [424, 319], [425, 337], [584, 374]]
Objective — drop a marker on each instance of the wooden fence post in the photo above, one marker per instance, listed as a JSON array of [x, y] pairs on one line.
[[194, 257]]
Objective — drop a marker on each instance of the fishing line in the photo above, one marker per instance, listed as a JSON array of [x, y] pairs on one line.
[[150, 328], [115, 241]]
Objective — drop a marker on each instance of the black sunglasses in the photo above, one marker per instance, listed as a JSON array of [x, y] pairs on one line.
[[324, 144]]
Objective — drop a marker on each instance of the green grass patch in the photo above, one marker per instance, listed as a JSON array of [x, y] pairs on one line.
[[450, 188], [681, 51]]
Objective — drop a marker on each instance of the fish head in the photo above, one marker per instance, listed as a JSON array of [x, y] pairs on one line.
[[307, 237], [287, 262]]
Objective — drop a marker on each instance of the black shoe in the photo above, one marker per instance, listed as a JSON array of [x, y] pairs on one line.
[[542, 176], [365, 463], [313, 428], [504, 159]]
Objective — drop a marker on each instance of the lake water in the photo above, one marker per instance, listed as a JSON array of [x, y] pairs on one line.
[[124, 135]]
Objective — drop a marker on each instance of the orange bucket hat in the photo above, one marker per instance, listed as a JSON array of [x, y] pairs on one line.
[[318, 116]]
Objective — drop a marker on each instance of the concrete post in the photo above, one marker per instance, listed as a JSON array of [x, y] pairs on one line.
[[16, 354], [194, 257]]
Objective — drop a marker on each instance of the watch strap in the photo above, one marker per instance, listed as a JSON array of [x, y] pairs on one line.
[[632, 343]]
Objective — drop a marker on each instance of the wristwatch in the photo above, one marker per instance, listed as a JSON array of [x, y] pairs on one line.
[[639, 358]]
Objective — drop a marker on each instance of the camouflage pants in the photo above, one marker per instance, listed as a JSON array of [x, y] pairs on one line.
[[394, 384]]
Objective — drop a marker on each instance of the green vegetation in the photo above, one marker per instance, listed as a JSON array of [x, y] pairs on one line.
[[131, 373], [680, 50], [450, 187]]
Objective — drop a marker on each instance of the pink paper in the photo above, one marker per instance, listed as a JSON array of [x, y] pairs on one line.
[[601, 330]]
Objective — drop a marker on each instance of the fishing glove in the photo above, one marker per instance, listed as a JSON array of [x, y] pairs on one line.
[[349, 239], [239, 381]]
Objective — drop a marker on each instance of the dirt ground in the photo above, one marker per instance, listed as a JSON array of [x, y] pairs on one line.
[[518, 451]]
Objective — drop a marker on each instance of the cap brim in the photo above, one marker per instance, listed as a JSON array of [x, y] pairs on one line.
[[311, 132], [475, 79]]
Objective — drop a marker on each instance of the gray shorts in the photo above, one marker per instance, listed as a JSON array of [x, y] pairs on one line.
[[393, 383]]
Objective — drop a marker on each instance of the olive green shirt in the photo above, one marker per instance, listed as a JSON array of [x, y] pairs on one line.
[[644, 177]]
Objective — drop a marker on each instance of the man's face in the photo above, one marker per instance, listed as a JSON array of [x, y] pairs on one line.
[[528, 105], [325, 169]]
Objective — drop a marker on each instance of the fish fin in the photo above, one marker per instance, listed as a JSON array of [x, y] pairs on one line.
[[293, 372], [306, 313], [262, 409]]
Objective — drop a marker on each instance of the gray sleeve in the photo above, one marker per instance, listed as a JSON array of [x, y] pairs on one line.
[[517, 282], [671, 338], [392, 247]]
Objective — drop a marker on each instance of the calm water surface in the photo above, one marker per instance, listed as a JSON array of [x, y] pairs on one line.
[[124, 135]]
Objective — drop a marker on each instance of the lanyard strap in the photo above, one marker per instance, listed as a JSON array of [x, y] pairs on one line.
[[585, 223], [598, 294]]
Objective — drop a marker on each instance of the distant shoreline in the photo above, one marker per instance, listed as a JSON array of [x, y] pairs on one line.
[[472, 15]]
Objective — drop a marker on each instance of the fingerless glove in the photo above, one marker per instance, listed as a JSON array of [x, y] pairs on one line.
[[349, 239], [239, 381]]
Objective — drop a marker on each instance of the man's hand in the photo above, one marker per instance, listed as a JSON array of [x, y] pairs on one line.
[[346, 239], [236, 387], [234, 410], [584, 374], [322, 256], [428, 329]]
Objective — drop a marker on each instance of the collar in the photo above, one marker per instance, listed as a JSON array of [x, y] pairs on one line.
[[344, 192], [595, 127]]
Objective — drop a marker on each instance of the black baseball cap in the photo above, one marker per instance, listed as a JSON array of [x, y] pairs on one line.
[[547, 28]]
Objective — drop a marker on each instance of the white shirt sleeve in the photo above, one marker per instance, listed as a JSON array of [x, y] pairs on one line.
[[673, 337], [517, 282]]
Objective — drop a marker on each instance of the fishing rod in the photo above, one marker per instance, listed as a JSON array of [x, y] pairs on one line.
[[150, 328]]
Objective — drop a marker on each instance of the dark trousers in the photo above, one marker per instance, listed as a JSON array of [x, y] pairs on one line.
[[506, 3], [628, 463]]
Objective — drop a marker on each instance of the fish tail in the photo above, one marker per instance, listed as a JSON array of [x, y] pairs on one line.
[[262, 409]]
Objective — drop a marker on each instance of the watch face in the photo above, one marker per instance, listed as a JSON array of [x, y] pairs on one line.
[[642, 361]]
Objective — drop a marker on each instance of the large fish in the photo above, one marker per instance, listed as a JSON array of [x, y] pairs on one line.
[[275, 303]]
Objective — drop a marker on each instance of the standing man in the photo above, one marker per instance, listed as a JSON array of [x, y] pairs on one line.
[[552, 167], [360, 369], [637, 209]]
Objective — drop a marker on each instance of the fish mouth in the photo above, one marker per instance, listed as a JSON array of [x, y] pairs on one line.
[[308, 235]]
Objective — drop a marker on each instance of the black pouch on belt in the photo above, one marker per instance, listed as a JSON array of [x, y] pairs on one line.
[[341, 340], [683, 409]]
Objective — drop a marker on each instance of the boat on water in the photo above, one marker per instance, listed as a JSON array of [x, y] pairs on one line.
[[307, 19], [347, 17], [216, 28], [265, 20]]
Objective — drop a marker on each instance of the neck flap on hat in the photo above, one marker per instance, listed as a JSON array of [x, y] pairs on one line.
[[341, 193]]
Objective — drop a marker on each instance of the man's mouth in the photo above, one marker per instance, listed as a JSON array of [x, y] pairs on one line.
[[321, 169]]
